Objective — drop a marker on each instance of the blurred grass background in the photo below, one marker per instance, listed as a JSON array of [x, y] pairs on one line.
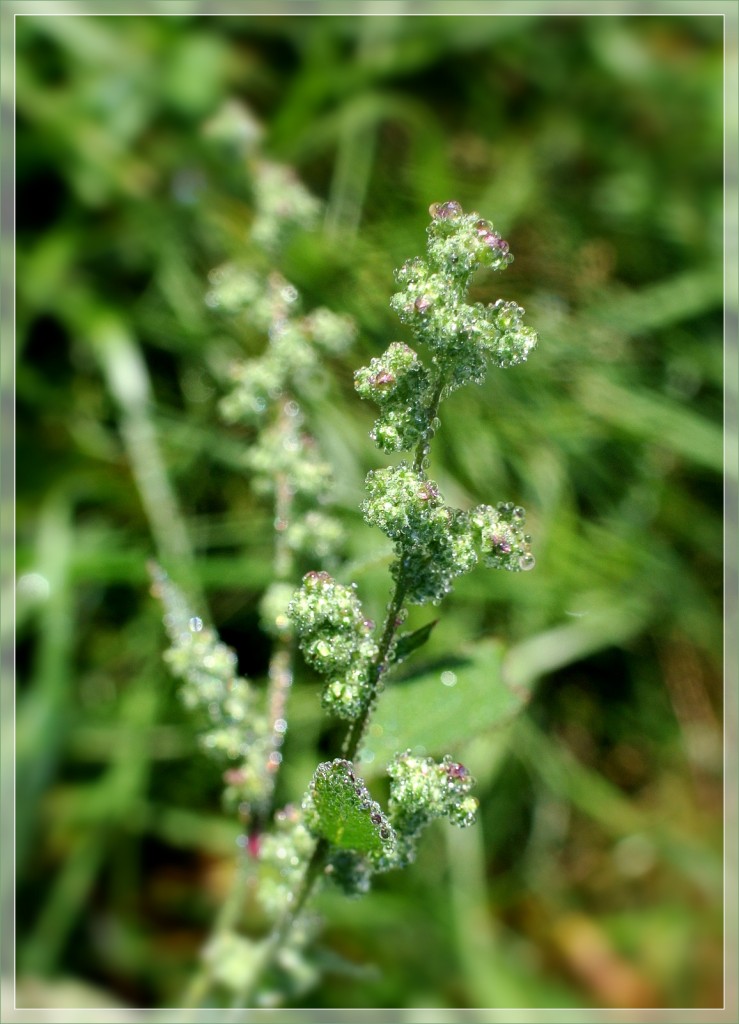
[[594, 877]]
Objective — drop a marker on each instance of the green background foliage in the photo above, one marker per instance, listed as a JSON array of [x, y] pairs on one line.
[[594, 144]]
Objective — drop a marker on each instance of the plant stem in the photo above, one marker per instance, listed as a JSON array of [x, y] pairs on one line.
[[359, 726], [423, 446]]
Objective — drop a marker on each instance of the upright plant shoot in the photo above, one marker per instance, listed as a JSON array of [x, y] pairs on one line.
[[433, 544]]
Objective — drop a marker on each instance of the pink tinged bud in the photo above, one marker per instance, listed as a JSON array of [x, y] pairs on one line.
[[445, 211], [382, 379], [254, 844], [422, 303], [317, 577], [500, 544], [428, 492], [456, 771], [494, 241]]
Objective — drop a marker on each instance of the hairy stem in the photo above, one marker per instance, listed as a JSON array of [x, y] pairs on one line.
[[359, 726], [423, 447]]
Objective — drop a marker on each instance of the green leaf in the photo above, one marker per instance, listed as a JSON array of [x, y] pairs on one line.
[[339, 808], [444, 706], [410, 642]]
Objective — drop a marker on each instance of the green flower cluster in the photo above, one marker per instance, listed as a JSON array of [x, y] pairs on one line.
[[422, 789], [462, 337], [500, 538], [336, 640], [282, 203], [399, 384], [435, 543], [283, 450], [293, 360], [237, 731]]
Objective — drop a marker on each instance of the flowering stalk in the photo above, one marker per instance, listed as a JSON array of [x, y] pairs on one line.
[[433, 545]]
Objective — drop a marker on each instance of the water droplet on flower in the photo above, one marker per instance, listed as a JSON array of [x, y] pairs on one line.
[[196, 624], [445, 211], [527, 562], [280, 725]]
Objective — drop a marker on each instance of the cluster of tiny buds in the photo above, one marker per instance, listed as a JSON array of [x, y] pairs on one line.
[[398, 382], [236, 731], [452, 211], [336, 640], [422, 789], [294, 359], [463, 337], [436, 543]]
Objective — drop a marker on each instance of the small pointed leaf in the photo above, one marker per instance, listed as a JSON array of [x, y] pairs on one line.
[[410, 642], [339, 808]]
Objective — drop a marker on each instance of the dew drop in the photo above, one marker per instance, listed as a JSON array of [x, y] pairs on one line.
[[527, 562], [195, 624], [36, 587], [449, 678]]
